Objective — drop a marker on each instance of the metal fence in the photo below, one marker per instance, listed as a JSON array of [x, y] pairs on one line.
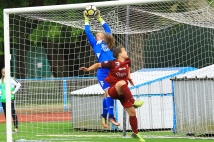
[[194, 100], [49, 90]]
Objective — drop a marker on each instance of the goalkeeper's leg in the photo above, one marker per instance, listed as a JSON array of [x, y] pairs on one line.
[[110, 106], [109, 103], [14, 116], [104, 113]]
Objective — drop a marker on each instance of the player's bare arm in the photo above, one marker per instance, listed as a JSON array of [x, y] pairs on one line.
[[93, 67], [130, 79]]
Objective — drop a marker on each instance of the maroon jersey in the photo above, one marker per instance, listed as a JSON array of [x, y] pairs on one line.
[[118, 70]]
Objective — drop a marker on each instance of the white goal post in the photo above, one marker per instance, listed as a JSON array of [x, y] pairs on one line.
[[148, 31]]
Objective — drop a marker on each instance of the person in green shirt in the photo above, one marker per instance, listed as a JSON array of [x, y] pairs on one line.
[[15, 86]]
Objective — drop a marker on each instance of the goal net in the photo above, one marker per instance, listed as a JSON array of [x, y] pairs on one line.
[[171, 47]]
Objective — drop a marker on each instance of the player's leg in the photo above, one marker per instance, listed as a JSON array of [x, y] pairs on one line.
[[110, 106], [4, 108], [14, 116], [104, 104], [104, 112], [109, 103], [15, 120], [122, 88], [132, 118], [133, 123]]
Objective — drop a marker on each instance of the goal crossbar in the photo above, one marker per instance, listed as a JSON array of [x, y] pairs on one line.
[[80, 5]]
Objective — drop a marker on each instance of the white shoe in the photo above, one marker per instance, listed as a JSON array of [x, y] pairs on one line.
[[13, 132]]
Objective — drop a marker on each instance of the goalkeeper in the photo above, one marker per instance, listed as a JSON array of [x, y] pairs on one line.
[[14, 89], [102, 46]]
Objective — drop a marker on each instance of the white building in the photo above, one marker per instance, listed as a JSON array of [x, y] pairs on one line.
[[194, 101], [152, 85]]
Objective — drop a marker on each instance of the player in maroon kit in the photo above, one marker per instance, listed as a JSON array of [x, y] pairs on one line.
[[118, 78]]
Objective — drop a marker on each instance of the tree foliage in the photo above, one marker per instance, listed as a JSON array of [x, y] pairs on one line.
[[51, 27], [211, 2], [26, 32], [55, 32], [51, 31]]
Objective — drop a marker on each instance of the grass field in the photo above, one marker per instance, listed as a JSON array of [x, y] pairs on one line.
[[60, 132]]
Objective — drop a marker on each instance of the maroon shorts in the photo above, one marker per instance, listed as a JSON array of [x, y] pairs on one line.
[[114, 95]]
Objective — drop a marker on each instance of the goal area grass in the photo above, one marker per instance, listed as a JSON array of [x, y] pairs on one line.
[[63, 131]]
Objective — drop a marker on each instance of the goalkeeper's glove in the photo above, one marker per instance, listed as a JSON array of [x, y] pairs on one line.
[[87, 19], [98, 17]]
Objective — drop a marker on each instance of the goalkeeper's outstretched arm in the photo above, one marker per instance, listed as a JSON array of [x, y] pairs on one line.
[[106, 27], [92, 40]]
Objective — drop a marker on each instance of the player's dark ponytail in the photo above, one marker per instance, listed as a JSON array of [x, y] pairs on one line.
[[117, 51], [109, 40]]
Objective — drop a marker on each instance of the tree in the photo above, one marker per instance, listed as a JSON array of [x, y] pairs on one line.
[[22, 38], [25, 36]]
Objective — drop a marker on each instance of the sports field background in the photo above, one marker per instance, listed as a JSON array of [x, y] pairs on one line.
[[57, 127]]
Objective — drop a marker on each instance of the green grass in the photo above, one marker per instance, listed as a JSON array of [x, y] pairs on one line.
[[60, 132]]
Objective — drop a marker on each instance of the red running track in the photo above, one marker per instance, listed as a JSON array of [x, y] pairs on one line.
[[41, 117]]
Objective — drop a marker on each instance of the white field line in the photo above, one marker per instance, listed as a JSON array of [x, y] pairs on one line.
[[119, 136], [85, 136]]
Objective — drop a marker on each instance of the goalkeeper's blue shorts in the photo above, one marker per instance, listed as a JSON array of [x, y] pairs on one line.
[[102, 73]]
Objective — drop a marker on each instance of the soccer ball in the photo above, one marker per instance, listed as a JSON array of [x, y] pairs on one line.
[[91, 10]]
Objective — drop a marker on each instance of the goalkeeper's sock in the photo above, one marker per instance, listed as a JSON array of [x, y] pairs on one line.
[[127, 93], [110, 106], [133, 123], [105, 109]]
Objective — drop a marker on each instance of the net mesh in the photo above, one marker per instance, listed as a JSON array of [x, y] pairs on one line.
[[163, 40]]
